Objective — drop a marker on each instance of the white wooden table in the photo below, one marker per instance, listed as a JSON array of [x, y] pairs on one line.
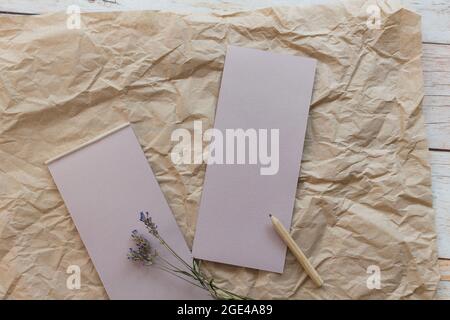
[[436, 65]]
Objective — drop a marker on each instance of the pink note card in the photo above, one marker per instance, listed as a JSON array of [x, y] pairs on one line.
[[267, 95], [105, 184]]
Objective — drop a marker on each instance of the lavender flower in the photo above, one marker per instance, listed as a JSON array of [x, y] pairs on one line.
[[151, 226], [148, 256], [144, 252]]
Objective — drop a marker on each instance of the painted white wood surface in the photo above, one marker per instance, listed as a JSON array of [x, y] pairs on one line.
[[443, 292], [436, 105], [436, 64], [440, 167], [435, 19]]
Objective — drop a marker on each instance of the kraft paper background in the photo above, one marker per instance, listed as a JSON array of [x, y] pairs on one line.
[[364, 196]]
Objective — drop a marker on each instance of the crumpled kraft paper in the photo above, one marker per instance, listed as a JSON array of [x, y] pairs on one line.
[[363, 202]]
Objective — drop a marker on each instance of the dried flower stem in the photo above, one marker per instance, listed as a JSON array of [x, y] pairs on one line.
[[191, 274]]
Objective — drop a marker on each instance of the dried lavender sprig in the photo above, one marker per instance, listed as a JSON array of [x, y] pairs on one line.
[[153, 230], [147, 256], [144, 253], [195, 273]]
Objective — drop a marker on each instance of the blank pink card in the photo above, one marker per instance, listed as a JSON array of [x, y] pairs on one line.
[[260, 91], [105, 184]]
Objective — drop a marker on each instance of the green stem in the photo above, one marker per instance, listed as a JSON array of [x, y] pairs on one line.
[[174, 274], [164, 243], [197, 275]]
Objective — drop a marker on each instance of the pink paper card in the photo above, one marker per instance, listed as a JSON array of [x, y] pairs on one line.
[[267, 95], [105, 184]]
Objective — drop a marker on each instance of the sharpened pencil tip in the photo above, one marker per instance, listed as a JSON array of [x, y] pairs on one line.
[[270, 215]]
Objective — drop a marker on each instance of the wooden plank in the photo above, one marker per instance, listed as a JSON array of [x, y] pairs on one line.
[[440, 168], [435, 19], [443, 292], [437, 118], [444, 267], [436, 104], [436, 69], [44, 6], [437, 83]]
